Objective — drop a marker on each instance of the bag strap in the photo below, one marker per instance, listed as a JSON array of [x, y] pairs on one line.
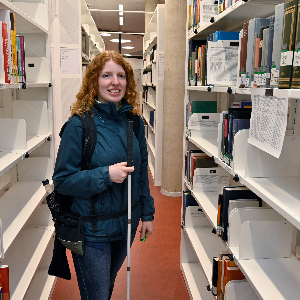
[[89, 139]]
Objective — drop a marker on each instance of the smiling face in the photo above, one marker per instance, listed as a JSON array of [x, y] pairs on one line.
[[112, 83]]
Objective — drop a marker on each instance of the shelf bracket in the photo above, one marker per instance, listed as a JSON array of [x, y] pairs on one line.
[[236, 178]]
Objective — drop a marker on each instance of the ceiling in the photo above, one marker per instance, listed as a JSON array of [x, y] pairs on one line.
[[106, 16]]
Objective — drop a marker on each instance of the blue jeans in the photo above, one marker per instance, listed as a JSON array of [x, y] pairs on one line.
[[97, 269]]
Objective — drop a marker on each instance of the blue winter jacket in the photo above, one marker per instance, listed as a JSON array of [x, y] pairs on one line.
[[110, 148]]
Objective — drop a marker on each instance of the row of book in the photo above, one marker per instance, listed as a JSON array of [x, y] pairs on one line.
[[201, 11], [233, 120], [265, 53], [224, 271], [12, 50], [196, 159], [150, 58]]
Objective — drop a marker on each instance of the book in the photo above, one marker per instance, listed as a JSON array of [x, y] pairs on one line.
[[214, 279], [14, 61], [4, 282], [233, 193], [203, 106], [203, 65], [225, 35], [261, 55], [288, 43], [277, 41], [5, 19], [190, 154], [193, 45], [204, 161], [244, 55], [219, 215], [269, 52], [295, 84], [187, 200], [22, 53], [2, 73], [256, 61]]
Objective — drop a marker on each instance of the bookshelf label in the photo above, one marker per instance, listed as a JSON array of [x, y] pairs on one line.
[[286, 58]]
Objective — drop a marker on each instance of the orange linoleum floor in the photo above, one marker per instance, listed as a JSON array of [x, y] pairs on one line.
[[155, 264]]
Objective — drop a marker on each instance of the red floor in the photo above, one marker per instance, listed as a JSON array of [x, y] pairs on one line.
[[155, 264]]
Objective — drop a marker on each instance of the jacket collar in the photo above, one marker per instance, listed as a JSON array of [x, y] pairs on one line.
[[109, 109]]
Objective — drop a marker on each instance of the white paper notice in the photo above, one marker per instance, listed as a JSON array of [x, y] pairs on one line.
[[268, 123], [69, 60], [160, 65]]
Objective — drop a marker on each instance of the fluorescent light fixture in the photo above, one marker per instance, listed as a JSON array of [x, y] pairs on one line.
[[121, 9], [127, 54], [122, 41], [121, 21], [127, 47], [105, 34]]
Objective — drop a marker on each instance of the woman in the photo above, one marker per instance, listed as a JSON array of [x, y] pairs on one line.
[[108, 91]]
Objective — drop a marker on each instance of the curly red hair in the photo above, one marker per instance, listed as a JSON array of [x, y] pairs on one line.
[[89, 87]]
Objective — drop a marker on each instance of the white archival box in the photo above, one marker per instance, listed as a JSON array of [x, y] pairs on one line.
[[210, 178], [208, 10], [222, 62], [204, 121]]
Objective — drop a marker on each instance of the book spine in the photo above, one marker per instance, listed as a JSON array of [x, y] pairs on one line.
[[244, 55], [288, 42], [5, 37], [269, 50], [4, 282], [22, 44], [295, 84], [277, 41]]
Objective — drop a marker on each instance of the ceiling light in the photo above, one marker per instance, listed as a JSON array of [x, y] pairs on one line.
[[121, 21], [121, 9], [105, 34], [122, 41], [127, 54], [127, 47]]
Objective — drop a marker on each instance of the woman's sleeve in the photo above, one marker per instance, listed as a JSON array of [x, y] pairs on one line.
[[147, 201], [68, 177]]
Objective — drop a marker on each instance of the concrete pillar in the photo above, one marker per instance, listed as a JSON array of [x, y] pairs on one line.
[[150, 6], [174, 92]]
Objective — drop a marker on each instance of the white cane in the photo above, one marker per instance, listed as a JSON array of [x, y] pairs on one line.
[[129, 164]]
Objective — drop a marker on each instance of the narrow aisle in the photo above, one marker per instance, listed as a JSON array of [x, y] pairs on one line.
[[155, 264]]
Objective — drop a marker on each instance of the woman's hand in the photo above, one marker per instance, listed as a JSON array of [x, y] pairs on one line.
[[147, 228], [118, 172]]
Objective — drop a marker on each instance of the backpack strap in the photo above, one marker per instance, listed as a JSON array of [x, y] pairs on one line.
[[89, 139]]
